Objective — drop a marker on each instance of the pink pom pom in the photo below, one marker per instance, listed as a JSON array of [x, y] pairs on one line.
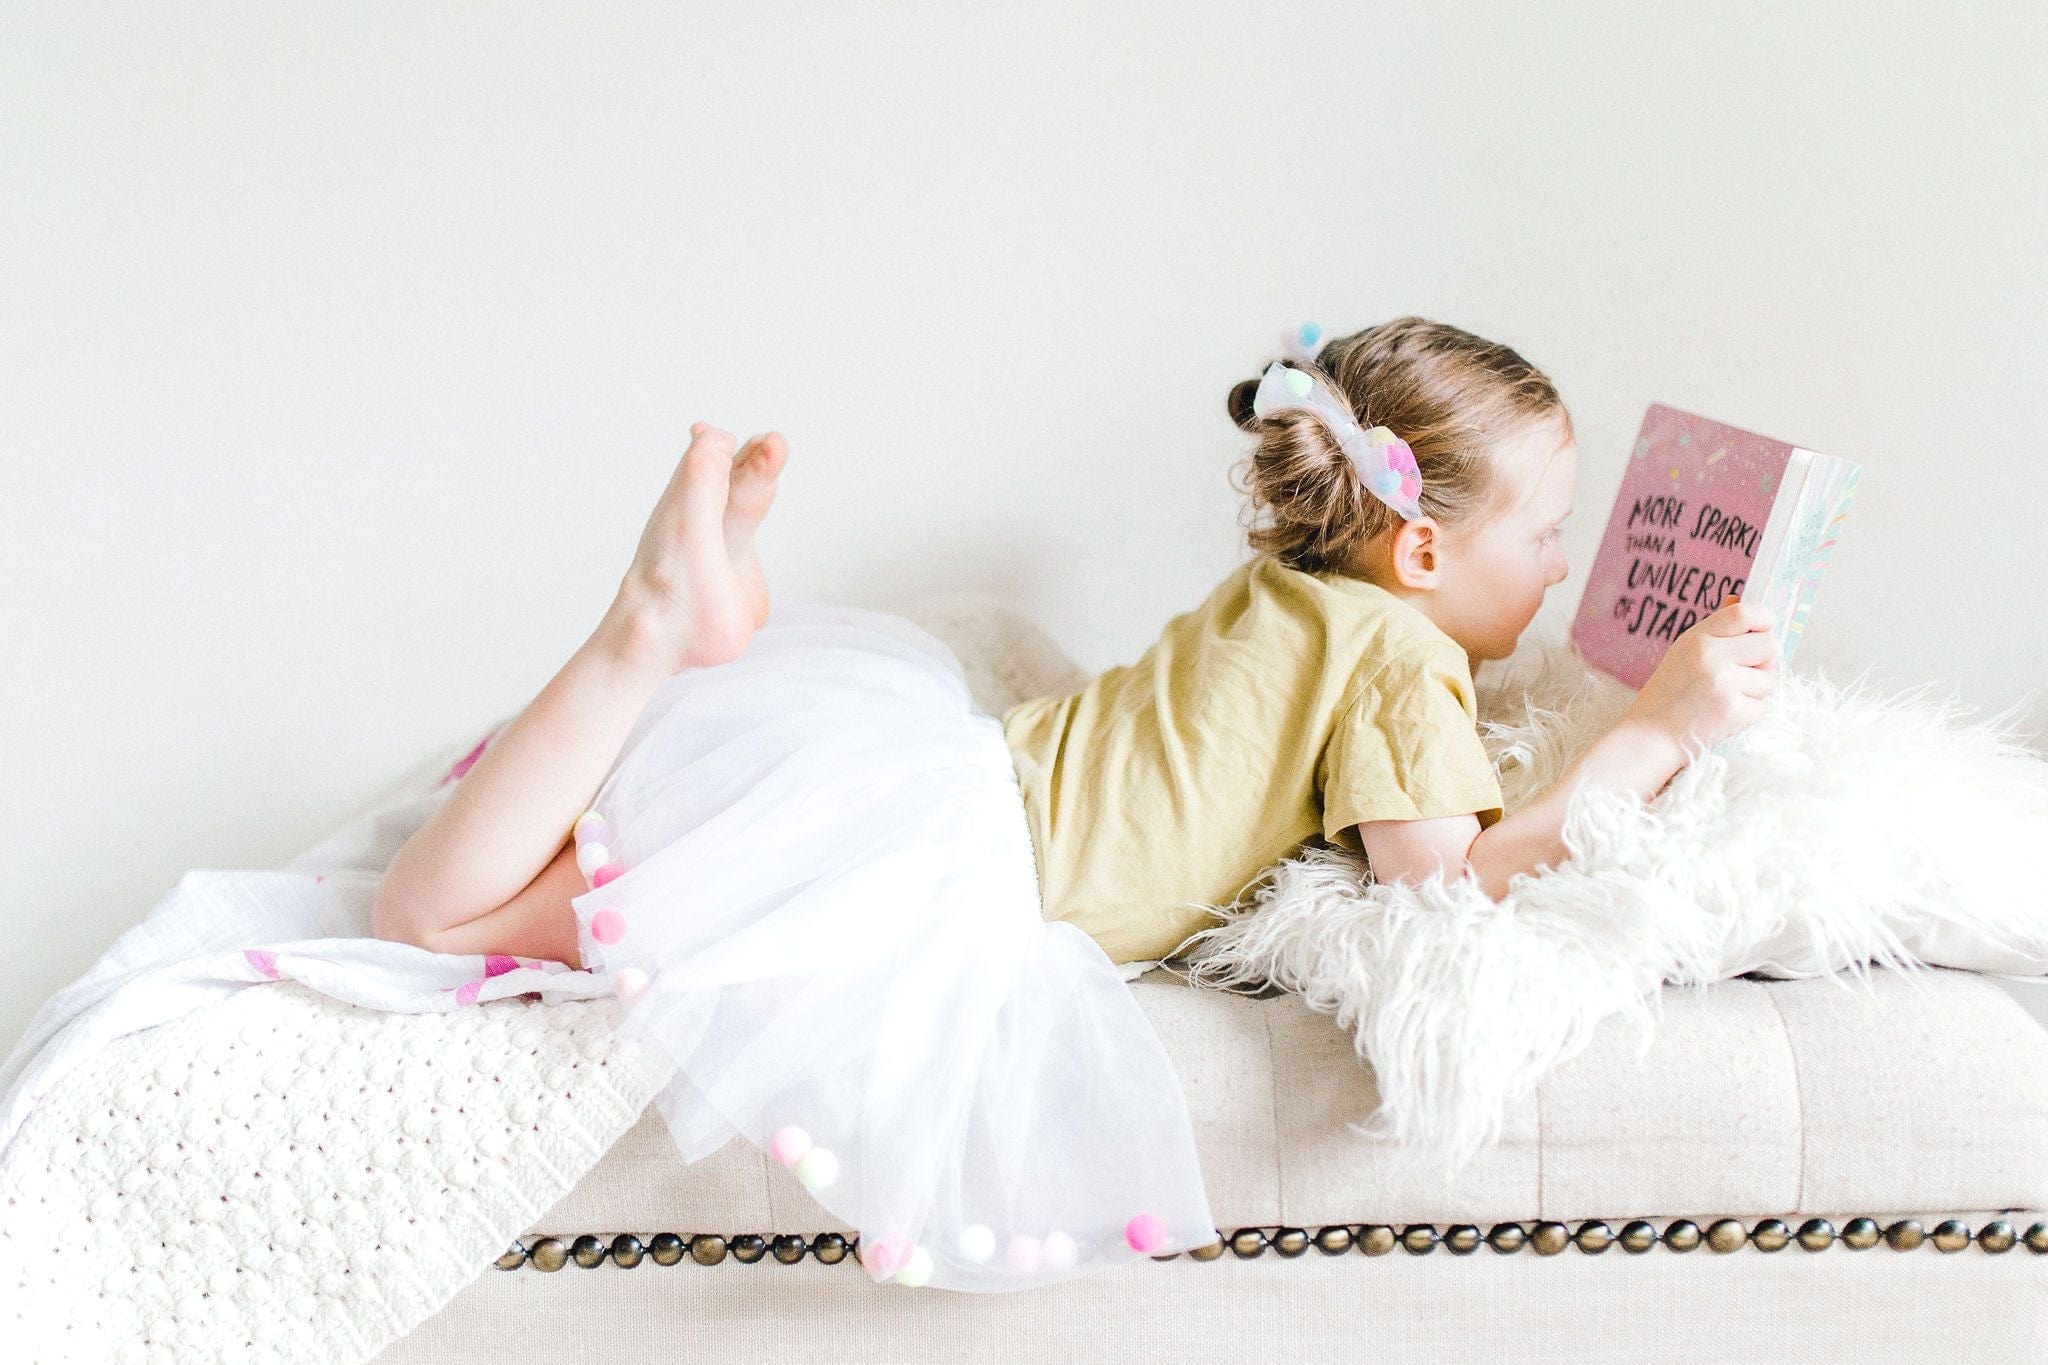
[[607, 926], [789, 1144], [885, 1255], [1145, 1233], [604, 874], [1023, 1254]]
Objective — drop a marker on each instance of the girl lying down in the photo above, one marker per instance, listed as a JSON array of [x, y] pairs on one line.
[[877, 929]]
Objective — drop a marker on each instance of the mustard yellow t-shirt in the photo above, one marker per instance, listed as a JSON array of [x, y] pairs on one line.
[[1286, 705]]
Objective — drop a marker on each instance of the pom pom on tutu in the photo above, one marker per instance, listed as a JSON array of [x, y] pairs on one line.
[[817, 1168], [1022, 1255], [886, 1255], [917, 1271], [977, 1242], [591, 829], [789, 1144], [629, 984], [1145, 1233]]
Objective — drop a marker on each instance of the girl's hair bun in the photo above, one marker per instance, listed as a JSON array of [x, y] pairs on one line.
[[1240, 405], [1452, 396]]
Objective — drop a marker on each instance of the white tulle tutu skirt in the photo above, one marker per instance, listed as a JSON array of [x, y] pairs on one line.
[[817, 896]]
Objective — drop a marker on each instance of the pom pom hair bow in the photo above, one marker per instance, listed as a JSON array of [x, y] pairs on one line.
[[1384, 462]]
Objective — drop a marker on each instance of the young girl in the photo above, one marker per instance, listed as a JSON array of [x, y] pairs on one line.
[[877, 929]]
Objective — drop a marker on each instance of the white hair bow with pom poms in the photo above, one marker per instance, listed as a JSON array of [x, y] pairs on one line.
[[1384, 461]]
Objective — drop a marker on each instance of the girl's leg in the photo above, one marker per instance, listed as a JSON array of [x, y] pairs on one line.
[[692, 598], [538, 922]]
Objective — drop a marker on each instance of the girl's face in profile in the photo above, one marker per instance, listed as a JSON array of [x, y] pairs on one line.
[[1494, 574]]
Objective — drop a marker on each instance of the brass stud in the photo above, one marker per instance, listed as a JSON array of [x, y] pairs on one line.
[[1996, 1236], [1375, 1239], [626, 1250], [1419, 1238], [1248, 1243], [748, 1247], [1638, 1237], [1334, 1240], [1952, 1235], [1208, 1252], [1289, 1242], [587, 1251], [1594, 1237], [1726, 1234], [1860, 1233], [1816, 1234], [1682, 1235], [1550, 1238], [707, 1248], [789, 1248], [1905, 1234], [514, 1257], [1507, 1237], [665, 1247], [829, 1248], [1462, 1239], [2037, 1238], [1770, 1235], [548, 1254]]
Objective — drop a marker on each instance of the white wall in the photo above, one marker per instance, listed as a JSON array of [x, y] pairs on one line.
[[346, 346]]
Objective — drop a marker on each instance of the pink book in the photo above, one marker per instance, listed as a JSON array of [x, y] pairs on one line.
[[1707, 511]]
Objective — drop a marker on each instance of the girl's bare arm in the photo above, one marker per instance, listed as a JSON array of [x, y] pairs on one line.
[[1711, 683], [1633, 755]]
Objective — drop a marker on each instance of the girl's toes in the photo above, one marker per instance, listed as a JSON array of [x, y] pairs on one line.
[[754, 473]]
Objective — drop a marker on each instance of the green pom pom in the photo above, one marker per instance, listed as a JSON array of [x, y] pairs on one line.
[[1298, 383]]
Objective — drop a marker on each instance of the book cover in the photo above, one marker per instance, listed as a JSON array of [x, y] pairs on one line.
[[1705, 508]]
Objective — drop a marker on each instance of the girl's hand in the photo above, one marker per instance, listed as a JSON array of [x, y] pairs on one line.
[[1713, 680]]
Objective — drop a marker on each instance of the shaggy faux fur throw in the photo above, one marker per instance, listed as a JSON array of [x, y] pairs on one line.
[[1845, 828]]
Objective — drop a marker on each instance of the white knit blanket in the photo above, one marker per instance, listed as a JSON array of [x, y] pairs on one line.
[[192, 1170], [1845, 828]]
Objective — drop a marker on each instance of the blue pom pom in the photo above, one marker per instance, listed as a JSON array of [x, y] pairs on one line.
[[1387, 482], [1311, 334]]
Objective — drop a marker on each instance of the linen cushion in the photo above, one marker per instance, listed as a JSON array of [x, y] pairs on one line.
[[1928, 1091]]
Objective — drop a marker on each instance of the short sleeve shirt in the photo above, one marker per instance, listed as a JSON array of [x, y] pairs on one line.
[[1287, 705]]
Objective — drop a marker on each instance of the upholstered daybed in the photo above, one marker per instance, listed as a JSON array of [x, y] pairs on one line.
[[1797, 1170]]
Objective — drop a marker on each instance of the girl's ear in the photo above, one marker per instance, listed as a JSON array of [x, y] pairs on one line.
[[1417, 551]]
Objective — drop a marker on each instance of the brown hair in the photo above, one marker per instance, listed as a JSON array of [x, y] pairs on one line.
[[1452, 396]]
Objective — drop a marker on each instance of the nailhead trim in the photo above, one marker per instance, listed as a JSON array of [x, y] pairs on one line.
[[1592, 1237]]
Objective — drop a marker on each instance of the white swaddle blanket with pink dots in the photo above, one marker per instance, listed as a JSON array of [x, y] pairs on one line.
[[816, 898]]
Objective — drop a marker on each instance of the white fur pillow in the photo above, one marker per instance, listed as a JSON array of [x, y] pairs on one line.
[[1842, 829]]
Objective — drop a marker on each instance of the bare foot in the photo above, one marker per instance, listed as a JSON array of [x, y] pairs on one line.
[[754, 472], [683, 583]]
